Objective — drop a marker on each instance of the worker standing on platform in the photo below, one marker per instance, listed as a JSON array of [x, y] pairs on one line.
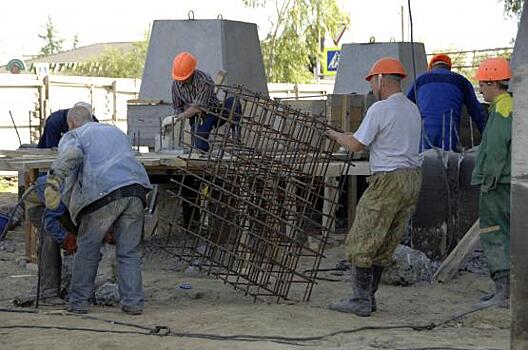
[[440, 94], [493, 173], [193, 97], [391, 130], [102, 190]]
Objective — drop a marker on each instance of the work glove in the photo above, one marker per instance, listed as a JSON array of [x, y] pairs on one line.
[[69, 244], [167, 121], [52, 194]]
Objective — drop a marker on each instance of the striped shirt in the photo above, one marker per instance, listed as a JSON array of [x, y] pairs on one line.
[[199, 92]]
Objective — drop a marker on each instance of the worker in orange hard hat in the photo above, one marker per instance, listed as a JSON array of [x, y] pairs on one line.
[[493, 174], [440, 94], [391, 129], [193, 96]]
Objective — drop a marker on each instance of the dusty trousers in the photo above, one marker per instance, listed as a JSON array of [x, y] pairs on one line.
[[125, 216], [382, 215]]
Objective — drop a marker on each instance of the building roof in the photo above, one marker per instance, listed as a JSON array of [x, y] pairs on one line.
[[81, 54]]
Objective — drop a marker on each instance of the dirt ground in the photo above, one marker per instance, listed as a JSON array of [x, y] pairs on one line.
[[196, 316]]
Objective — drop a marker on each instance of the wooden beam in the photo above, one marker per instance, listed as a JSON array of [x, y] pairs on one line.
[[451, 264]]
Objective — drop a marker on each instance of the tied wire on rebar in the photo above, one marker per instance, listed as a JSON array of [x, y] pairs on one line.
[[259, 205]]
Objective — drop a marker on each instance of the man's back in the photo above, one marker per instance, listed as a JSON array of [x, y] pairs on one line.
[[391, 129], [108, 163], [55, 127], [440, 95]]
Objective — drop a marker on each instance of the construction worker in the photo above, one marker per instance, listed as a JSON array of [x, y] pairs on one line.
[[56, 126], [193, 97], [440, 94], [391, 130], [102, 190], [493, 174], [58, 230]]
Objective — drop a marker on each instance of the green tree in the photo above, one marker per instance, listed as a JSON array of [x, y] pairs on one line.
[[115, 63], [293, 45], [513, 7], [52, 43]]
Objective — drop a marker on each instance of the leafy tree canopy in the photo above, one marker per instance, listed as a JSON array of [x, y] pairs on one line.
[[293, 46]]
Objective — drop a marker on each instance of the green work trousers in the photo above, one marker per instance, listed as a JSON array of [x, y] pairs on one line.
[[495, 229]]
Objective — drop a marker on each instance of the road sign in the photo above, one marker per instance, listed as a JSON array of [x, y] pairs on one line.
[[331, 60]]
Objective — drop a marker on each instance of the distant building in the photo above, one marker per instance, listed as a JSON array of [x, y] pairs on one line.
[[66, 59]]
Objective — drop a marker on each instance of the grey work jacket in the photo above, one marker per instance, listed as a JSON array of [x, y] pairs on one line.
[[96, 159]]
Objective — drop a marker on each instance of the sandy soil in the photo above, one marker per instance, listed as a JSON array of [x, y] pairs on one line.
[[212, 308]]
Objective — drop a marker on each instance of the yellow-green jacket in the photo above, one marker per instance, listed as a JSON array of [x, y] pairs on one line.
[[493, 164]]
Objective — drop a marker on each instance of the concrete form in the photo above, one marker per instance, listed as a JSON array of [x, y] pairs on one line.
[[230, 46], [356, 60], [519, 191], [218, 44]]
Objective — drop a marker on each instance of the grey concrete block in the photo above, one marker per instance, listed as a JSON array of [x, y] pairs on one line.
[[218, 44], [356, 60], [520, 51], [145, 120]]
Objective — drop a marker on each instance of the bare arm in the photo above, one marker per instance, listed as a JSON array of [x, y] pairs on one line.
[[346, 140]]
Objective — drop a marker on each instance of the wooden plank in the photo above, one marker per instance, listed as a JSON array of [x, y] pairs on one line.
[[451, 264], [31, 231], [28, 151]]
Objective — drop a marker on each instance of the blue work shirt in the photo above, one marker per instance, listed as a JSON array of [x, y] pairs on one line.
[[56, 126], [95, 160], [52, 225], [441, 94]]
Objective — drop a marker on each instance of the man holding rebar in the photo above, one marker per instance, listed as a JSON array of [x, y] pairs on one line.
[[493, 174], [194, 98], [391, 131], [440, 95], [104, 186]]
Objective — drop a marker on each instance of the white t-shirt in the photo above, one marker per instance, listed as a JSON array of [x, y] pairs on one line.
[[391, 129]]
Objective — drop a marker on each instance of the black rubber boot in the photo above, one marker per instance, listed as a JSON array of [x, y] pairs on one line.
[[361, 302], [500, 297], [376, 271]]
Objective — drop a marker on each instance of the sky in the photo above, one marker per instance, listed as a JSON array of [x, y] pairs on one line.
[[441, 25]]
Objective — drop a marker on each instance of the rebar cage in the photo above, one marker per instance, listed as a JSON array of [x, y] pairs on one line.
[[259, 207]]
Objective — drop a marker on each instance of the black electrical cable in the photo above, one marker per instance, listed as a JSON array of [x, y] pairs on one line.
[[165, 331]]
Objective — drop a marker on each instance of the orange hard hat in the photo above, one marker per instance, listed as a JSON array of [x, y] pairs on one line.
[[440, 57], [183, 66], [494, 69], [386, 65]]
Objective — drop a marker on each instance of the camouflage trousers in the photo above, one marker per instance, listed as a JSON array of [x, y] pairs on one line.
[[382, 216], [495, 229]]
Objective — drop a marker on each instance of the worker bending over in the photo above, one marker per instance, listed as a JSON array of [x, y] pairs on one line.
[[104, 186], [194, 98]]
